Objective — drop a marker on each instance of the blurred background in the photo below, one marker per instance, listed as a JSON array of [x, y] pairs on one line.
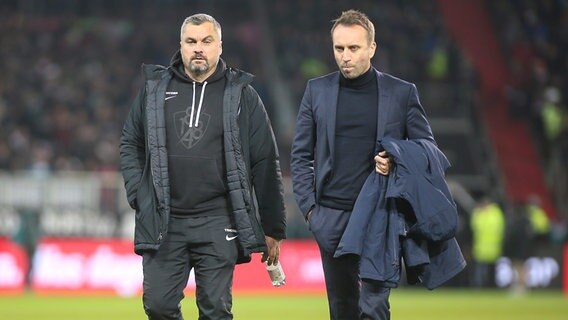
[[492, 77]]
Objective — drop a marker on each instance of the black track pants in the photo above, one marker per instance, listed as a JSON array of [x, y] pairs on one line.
[[205, 244]]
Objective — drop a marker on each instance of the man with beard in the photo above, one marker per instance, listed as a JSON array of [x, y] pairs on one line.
[[195, 146]]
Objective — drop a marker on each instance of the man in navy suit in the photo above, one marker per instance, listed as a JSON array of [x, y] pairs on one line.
[[342, 115]]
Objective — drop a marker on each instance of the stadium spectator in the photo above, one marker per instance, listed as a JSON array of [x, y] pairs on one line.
[[534, 34], [194, 200], [519, 245], [488, 231], [540, 222]]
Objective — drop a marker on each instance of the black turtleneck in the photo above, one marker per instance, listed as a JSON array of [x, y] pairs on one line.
[[355, 135]]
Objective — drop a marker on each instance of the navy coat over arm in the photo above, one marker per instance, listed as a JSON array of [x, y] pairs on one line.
[[380, 231]]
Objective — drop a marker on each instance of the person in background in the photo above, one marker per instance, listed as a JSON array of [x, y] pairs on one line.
[[197, 148], [539, 219], [528, 226], [488, 230], [519, 245]]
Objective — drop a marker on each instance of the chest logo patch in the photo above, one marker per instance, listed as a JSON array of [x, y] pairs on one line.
[[189, 137]]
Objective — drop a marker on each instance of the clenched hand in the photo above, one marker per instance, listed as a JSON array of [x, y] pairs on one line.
[[382, 163]]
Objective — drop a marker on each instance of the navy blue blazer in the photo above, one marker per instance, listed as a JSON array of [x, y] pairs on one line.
[[400, 116]]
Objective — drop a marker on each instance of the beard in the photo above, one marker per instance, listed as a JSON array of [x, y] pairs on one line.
[[199, 69]]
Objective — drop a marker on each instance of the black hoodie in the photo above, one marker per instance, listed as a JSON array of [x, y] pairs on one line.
[[194, 140]]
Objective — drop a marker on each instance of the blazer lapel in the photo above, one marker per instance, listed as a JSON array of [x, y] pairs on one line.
[[384, 105], [330, 103]]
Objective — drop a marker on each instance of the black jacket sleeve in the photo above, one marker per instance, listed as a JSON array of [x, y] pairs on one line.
[[133, 149], [266, 175]]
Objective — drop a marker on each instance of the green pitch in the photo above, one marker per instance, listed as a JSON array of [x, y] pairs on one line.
[[406, 304]]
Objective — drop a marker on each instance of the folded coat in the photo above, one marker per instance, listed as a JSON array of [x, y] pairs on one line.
[[408, 215]]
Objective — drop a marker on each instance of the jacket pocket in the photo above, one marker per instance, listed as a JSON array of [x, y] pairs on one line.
[[147, 227]]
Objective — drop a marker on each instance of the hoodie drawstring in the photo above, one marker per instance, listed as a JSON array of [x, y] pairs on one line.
[[192, 105], [200, 103], [198, 107]]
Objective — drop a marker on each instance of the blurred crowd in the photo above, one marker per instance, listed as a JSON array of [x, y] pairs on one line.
[[412, 42], [534, 36], [70, 71]]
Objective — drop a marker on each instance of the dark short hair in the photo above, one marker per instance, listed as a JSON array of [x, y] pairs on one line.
[[355, 18]]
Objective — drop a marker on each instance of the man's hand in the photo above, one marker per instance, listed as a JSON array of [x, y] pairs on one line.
[[382, 163], [273, 250]]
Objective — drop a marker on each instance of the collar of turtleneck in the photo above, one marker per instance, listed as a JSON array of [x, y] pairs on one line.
[[360, 81]]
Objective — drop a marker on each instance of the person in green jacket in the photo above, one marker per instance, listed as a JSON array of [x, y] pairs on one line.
[[488, 231], [539, 219]]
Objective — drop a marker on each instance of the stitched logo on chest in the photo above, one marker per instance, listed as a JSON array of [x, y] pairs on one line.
[[190, 136]]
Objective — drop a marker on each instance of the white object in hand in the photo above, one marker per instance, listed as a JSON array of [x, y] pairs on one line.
[[276, 274]]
